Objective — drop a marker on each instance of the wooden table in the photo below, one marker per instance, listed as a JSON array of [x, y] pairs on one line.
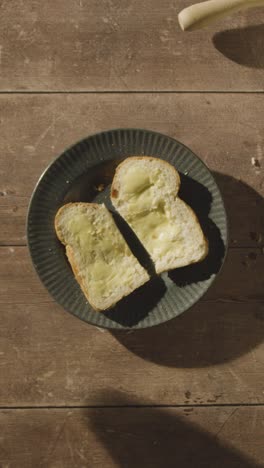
[[188, 393]]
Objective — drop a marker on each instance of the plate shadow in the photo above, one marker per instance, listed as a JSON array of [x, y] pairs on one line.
[[135, 307], [210, 332], [198, 197]]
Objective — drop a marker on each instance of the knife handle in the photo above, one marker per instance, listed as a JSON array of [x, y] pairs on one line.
[[201, 14]]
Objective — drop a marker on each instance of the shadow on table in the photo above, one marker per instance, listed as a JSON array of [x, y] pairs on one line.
[[242, 45], [198, 197], [135, 307], [209, 333], [158, 437]]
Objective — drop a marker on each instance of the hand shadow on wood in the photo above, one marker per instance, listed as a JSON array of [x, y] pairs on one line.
[[244, 46], [140, 437], [215, 332]]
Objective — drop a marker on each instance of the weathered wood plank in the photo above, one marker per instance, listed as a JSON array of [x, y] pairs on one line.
[[241, 279], [217, 127], [211, 354], [129, 437], [124, 45]]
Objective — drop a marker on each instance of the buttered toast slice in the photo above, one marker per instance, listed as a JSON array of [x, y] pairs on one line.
[[144, 192], [101, 260]]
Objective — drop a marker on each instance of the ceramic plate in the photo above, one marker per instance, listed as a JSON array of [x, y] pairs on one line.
[[84, 173]]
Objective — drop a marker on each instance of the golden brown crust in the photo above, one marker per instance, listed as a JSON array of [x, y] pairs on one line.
[[70, 256], [204, 239], [115, 185], [115, 188], [114, 193], [199, 224], [206, 243], [59, 212], [69, 250]]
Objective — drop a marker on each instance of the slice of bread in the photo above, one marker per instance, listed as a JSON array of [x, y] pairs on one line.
[[144, 192], [101, 260]]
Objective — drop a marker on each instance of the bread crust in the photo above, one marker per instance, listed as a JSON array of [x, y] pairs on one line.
[[63, 208], [115, 182], [116, 185], [114, 191], [71, 257], [69, 249]]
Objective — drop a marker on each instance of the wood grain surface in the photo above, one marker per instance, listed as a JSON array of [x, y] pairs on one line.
[[212, 354], [125, 45], [226, 131], [129, 437], [240, 280], [188, 393]]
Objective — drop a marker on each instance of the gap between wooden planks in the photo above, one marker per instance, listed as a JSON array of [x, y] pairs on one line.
[[241, 279], [126, 45], [217, 127], [210, 355], [110, 55]]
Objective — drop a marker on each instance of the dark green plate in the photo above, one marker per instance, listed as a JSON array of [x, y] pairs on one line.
[[84, 173]]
